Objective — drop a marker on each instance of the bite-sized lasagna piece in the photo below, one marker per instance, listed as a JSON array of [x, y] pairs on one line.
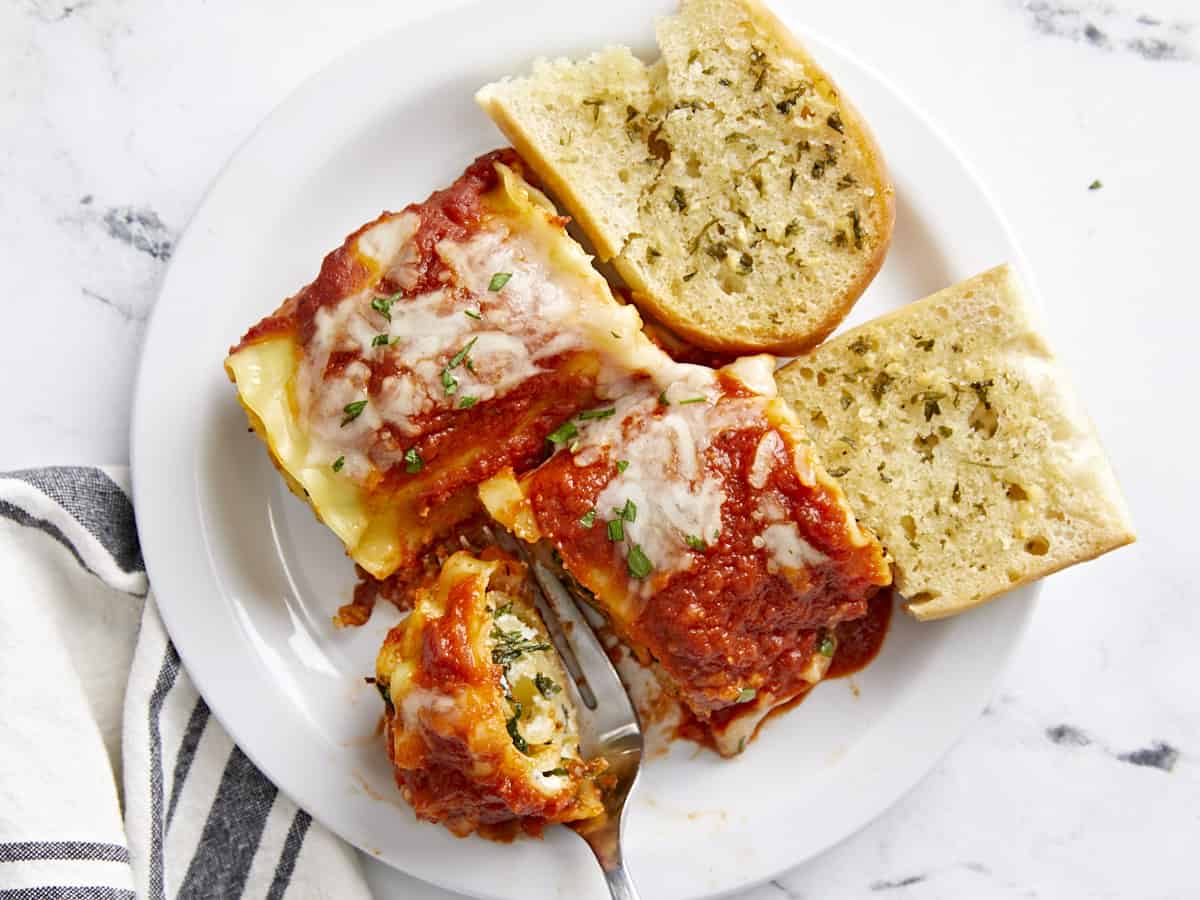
[[437, 346], [480, 724], [691, 506]]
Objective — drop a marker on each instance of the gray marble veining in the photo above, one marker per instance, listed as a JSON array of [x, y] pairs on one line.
[[1106, 27]]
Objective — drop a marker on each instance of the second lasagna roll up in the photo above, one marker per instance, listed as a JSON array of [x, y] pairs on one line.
[[694, 510], [480, 724]]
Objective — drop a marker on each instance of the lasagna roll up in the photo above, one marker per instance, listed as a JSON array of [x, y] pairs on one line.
[[480, 723], [436, 346], [694, 512]]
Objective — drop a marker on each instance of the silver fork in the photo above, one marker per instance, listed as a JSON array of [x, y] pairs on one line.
[[609, 727]]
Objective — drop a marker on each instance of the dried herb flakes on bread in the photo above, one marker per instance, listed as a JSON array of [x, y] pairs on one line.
[[958, 440], [733, 187]]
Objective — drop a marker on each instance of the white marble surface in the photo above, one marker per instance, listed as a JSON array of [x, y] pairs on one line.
[[1082, 779]]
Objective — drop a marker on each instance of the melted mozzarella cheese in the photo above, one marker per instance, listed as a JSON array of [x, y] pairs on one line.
[[676, 496], [383, 242], [765, 458], [673, 499], [418, 699], [530, 320], [786, 549], [755, 372]]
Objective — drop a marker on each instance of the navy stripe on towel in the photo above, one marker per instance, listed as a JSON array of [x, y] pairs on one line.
[[166, 679], [68, 892], [187, 753], [18, 515], [287, 858], [232, 833], [97, 503], [20, 851]]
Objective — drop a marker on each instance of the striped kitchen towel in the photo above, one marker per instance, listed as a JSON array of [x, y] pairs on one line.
[[115, 781]]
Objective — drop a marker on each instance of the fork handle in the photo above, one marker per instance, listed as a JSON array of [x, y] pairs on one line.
[[620, 885], [604, 839]]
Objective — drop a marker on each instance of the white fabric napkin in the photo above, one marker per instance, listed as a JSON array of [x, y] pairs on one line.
[[115, 781]]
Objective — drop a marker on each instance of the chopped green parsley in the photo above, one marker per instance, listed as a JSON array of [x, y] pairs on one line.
[[449, 382], [353, 411], [545, 685], [563, 433], [637, 561], [383, 305], [598, 413], [628, 512], [514, 732], [462, 354]]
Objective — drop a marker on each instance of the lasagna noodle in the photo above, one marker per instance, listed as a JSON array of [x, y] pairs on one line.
[[480, 722]]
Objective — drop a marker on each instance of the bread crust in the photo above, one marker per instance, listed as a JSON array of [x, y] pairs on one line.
[[945, 607]]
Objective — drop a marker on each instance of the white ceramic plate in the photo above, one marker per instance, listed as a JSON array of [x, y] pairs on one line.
[[247, 579]]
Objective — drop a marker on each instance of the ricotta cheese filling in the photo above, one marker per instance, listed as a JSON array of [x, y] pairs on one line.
[[533, 682]]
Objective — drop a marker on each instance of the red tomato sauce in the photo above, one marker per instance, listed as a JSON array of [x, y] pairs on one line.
[[449, 213], [509, 431], [859, 643], [860, 640]]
